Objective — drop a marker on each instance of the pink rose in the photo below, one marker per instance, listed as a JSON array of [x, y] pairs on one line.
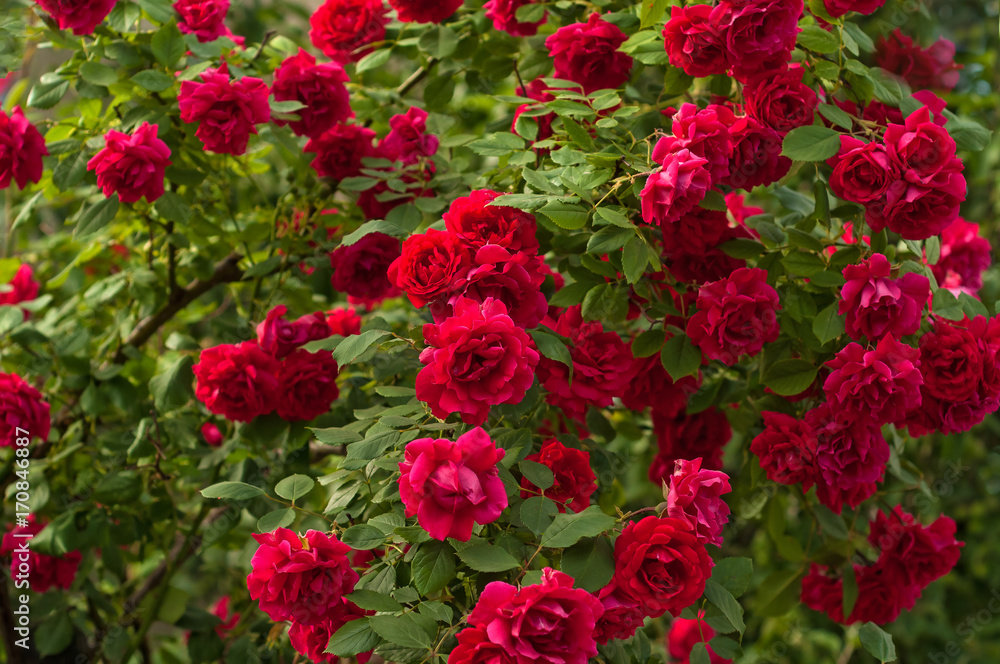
[[965, 256], [548, 623], [694, 41], [736, 316], [876, 305], [780, 100], [132, 166], [342, 29], [82, 16], [300, 578], [449, 485], [279, 337], [21, 407], [503, 13], [587, 53], [695, 496], [881, 384], [319, 87], [205, 18], [21, 150], [705, 132], [408, 140], [672, 191], [476, 359], [341, 150], [237, 382], [226, 111], [308, 385]]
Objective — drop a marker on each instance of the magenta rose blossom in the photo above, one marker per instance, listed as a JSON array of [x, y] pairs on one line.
[[132, 166], [652, 387], [695, 496], [21, 150], [476, 359], [343, 321], [408, 140], [22, 288], [694, 40], [312, 640], [21, 407], [451, 484], [279, 337], [226, 111], [308, 385], [932, 67], [574, 479], [661, 565], [757, 160], [736, 316], [341, 29], [622, 615], [300, 578], [850, 455], [787, 450], [319, 87], [80, 16], [705, 133], [964, 257], [923, 553], [875, 305], [587, 53], [425, 11], [838, 8], [204, 18], [362, 269], [504, 16], [478, 223], [237, 382], [213, 437], [340, 151], [672, 191], [780, 100], [474, 647], [759, 34], [429, 265], [548, 623], [44, 572], [882, 384], [862, 171]]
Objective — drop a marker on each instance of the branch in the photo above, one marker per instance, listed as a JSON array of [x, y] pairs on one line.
[[417, 76]]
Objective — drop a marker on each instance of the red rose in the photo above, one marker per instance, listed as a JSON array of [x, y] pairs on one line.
[[917, 211], [693, 40], [342, 28], [425, 11], [951, 360], [22, 288], [780, 100], [228, 620], [429, 265], [695, 497], [279, 337], [449, 485], [652, 387], [787, 450], [43, 572], [922, 553], [477, 359], [672, 191], [408, 140], [881, 384], [621, 618], [21, 406], [661, 565], [226, 110], [343, 321], [682, 436], [474, 647], [300, 578], [132, 166], [850, 456], [575, 481], [21, 150], [504, 16], [548, 623], [82, 16], [320, 87], [340, 151], [705, 132], [312, 640], [882, 594], [862, 172], [380, 200], [213, 437], [514, 279], [696, 232], [736, 316], [308, 385], [204, 18], [361, 269], [876, 305], [602, 367], [837, 8], [478, 223], [538, 91], [964, 257], [587, 53], [683, 636], [237, 382], [757, 159], [759, 34], [925, 148], [932, 67]]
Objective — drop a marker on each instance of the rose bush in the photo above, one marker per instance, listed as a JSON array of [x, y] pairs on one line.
[[504, 332]]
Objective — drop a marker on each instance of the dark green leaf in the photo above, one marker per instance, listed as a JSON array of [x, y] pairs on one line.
[[402, 630], [538, 474], [294, 487], [635, 258], [363, 537], [354, 638], [98, 74], [733, 574], [877, 642], [552, 347], [725, 602], [537, 513], [811, 143], [568, 529], [818, 40], [488, 558], [828, 325], [154, 81], [352, 347], [433, 567], [93, 218], [565, 215], [789, 377], [680, 357], [649, 343], [232, 491], [591, 563], [172, 386], [277, 519], [497, 145], [168, 45], [373, 601]]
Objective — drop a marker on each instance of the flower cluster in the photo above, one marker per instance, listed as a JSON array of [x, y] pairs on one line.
[[44, 572]]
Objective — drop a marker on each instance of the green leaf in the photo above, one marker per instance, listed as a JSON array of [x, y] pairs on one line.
[[789, 377], [591, 563], [168, 45], [487, 558], [363, 537], [537, 513], [968, 134], [699, 654], [439, 43], [818, 40], [433, 567], [652, 12], [354, 638], [373, 60], [294, 487], [172, 207], [54, 634], [877, 642], [946, 305], [743, 248], [568, 529], [233, 491], [836, 115], [336, 436], [402, 630], [98, 74], [608, 239], [649, 343], [93, 218], [565, 215], [887, 88], [47, 94], [497, 145], [552, 347], [172, 387], [152, 80], [352, 347], [850, 588], [859, 36], [373, 601], [119, 488], [811, 143], [733, 574], [277, 519], [778, 593], [725, 602], [635, 258], [538, 474], [680, 357], [832, 524], [828, 324]]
